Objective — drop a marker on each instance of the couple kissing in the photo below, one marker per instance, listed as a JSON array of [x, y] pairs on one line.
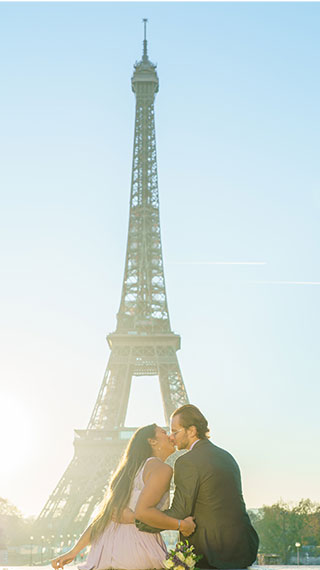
[[207, 506]]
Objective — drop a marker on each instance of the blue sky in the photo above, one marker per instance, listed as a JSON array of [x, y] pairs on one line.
[[237, 122]]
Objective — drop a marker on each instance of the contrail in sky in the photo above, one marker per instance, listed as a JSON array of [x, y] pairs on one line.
[[284, 282], [218, 263], [245, 263]]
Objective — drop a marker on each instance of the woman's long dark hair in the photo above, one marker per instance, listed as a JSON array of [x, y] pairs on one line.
[[120, 486]]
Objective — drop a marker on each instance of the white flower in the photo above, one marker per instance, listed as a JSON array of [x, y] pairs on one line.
[[168, 564], [181, 556], [190, 561]]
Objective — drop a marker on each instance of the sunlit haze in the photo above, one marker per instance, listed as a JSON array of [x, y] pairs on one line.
[[237, 126]]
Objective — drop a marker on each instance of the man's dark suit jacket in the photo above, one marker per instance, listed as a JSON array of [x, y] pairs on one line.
[[208, 487]]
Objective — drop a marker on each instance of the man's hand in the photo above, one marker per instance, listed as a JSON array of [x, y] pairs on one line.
[[187, 526], [127, 516]]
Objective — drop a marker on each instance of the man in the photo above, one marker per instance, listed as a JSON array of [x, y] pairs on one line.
[[208, 487]]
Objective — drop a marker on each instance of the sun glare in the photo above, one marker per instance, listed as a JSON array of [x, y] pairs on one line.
[[15, 429]]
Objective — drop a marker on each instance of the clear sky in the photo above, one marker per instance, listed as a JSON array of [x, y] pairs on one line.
[[237, 121]]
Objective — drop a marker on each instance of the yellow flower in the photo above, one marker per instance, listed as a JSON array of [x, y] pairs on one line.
[[168, 564], [179, 567], [180, 556], [190, 561]]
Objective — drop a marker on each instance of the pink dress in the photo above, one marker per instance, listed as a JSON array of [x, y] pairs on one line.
[[123, 546]]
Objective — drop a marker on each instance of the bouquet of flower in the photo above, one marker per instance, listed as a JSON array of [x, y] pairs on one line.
[[182, 557]]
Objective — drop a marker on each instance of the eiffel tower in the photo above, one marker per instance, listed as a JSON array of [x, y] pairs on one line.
[[143, 343]]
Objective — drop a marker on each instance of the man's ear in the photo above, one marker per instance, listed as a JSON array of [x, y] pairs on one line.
[[193, 431]]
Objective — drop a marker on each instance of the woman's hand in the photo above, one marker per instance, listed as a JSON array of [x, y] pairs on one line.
[[66, 558], [187, 526]]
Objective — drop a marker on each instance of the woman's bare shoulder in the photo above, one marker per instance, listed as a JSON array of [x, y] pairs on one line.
[[155, 465]]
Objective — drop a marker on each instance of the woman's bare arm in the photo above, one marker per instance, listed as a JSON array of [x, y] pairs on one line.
[[157, 482], [157, 478], [68, 557]]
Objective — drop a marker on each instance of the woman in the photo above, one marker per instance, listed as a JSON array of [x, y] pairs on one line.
[[116, 545]]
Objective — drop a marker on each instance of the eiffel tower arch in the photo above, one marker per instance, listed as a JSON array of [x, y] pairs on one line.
[[143, 343]]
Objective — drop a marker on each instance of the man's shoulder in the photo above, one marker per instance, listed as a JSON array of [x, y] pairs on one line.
[[223, 454], [203, 451], [202, 447], [182, 461]]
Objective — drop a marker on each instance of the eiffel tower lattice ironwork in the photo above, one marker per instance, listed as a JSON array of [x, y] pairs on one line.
[[143, 343]]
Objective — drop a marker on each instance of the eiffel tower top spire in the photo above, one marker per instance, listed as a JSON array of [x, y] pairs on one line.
[[145, 53], [145, 70]]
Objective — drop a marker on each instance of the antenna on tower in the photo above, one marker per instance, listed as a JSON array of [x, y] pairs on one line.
[[145, 55]]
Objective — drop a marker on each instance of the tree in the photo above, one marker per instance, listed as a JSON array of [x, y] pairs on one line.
[[15, 529], [281, 526]]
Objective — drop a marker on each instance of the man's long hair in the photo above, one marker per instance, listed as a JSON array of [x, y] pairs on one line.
[[190, 415], [120, 486]]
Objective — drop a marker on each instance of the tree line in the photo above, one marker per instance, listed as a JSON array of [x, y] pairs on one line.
[[283, 525], [15, 529]]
